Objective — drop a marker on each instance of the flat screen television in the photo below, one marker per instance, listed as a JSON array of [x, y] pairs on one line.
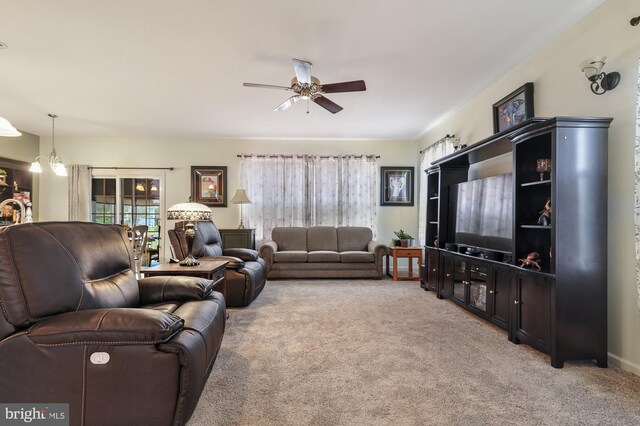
[[483, 212]]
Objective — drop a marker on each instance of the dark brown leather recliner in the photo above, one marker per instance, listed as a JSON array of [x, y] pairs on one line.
[[77, 327], [246, 272]]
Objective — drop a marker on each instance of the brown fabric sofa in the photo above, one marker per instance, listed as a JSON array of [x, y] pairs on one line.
[[323, 252], [77, 327]]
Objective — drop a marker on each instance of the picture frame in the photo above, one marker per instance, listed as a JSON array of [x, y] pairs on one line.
[[513, 109], [209, 185], [396, 186]]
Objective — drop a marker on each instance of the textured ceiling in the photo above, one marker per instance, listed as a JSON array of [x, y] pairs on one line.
[[168, 69]]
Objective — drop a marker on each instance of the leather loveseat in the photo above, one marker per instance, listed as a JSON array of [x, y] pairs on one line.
[[77, 327], [323, 252], [246, 272]]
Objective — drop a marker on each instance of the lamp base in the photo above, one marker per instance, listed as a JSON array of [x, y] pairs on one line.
[[189, 261]]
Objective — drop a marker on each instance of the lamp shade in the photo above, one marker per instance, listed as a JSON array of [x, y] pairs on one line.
[[592, 67], [240, 197], [189, 211], [6, 129]]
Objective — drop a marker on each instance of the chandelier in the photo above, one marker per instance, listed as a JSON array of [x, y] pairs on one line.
[[55, 162]]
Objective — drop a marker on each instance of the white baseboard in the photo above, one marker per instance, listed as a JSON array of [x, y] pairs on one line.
[[624, 364]]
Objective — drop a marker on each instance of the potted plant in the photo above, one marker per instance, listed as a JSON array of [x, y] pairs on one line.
[[403, 238]]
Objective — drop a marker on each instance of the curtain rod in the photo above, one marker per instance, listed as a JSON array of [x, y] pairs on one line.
[[304, 155], [130, 168]]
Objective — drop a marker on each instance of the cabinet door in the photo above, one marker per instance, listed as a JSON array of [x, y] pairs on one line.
[[532, 310], [499, 301], [446, 290], [432, 273], [479, 281], [460, 280]]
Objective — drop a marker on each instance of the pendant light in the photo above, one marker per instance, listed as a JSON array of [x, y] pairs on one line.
[[55, 162]]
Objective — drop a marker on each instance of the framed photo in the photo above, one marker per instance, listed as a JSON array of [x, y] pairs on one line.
[[513, 109], [209, 185], [396, 186]]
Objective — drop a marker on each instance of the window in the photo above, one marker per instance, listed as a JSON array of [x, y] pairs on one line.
[[130, 201]]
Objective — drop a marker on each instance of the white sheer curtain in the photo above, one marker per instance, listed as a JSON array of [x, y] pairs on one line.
[[303, 190], [637, 191], [431, 153], [79, 181]]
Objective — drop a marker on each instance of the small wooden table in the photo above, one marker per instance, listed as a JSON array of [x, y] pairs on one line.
[[404, 252], [209, 269]]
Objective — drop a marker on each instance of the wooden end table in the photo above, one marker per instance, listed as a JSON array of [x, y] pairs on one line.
[[209, 269], [404, 252]]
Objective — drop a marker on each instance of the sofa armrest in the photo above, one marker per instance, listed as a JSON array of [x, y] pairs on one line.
[[111, 326], [378, 249], [267, 250], [173, 289], [243, 253], [232, 262]]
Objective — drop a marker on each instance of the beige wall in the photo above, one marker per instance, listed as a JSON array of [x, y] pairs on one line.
[[560, 88], [183, 154], [23, 148]]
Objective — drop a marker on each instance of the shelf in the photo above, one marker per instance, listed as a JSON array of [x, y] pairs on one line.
[[535, 226], [538, 182]]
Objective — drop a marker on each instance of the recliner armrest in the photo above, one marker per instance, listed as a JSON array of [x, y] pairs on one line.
[[243, 253], [111, 326], [173, 289], [232, 262]]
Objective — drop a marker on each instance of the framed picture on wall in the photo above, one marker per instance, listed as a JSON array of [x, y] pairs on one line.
[[514, 108], [396, 186], [209, 185]]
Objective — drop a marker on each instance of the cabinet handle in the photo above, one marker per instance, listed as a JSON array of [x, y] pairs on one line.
[[433, 270], [515, 302], [448, 275], [491, 292]]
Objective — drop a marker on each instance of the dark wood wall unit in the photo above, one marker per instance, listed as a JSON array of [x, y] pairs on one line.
[[560, 309], [238, 238], [19, 180]]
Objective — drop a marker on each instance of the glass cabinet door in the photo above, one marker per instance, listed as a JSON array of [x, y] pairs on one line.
[[478, 287], [459, 279]]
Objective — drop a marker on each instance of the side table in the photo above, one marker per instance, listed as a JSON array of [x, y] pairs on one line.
[[404, 252], [238, 238], [210, 269]]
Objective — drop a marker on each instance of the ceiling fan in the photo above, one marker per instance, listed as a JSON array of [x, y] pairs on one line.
[[307, 87]]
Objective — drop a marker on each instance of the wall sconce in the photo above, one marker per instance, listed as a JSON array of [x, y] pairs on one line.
[[455, 142], [601, 82]]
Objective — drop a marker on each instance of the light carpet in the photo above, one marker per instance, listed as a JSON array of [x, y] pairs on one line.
[[365, 352]]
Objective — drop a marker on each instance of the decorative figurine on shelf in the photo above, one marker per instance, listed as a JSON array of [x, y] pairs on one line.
[[532, 261], [543, 165], [545, 214]]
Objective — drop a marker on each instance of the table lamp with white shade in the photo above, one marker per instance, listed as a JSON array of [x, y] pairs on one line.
[[240, 198], [191, 212]]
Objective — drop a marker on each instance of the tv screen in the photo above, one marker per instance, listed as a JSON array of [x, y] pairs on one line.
[[483, 212]]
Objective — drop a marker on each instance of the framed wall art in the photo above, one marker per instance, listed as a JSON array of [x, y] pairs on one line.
[[396, 186], [209, 185], [513, 109]]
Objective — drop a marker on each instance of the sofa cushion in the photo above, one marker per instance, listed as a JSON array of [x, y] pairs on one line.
[[323, 256], [322, 238], [353, 238], [356, 256], [290, 238], [290, 256]]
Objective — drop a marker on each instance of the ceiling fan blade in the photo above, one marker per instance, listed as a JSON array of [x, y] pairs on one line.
[[303, 71], [325, 103], [266, 86], [347, 86], [286, 104]]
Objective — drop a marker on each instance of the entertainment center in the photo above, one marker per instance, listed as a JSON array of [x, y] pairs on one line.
[[480, 231]]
